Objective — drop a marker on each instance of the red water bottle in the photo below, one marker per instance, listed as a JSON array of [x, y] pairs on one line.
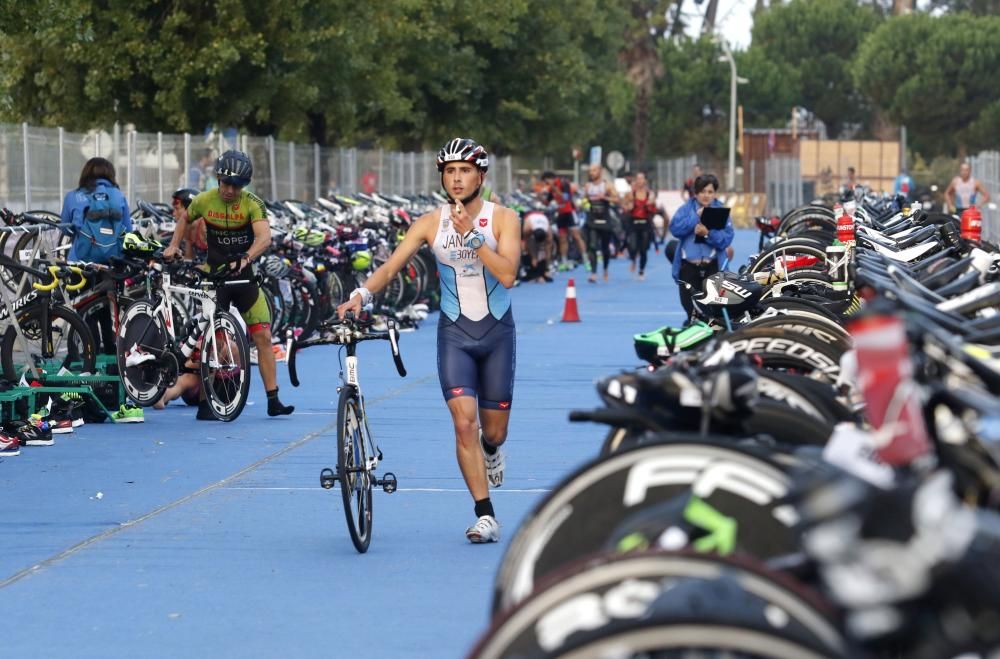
[[892, 400], [845, 229], [972, 224]]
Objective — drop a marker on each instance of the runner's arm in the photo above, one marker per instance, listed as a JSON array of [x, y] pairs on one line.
[[261, 239], [982, 190], [180, 230]]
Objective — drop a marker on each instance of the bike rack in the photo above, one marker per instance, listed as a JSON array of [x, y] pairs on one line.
[[78, 384], [5, 294]]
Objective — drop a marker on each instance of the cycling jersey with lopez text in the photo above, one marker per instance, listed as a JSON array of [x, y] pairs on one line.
[[228, 227]]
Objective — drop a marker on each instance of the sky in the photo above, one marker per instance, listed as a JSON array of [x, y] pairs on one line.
[[733, 20]]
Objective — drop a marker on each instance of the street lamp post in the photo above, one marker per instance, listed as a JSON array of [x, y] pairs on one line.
[[734, 80]]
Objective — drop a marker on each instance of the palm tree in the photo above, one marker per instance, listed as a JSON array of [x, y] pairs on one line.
[[641, 59]]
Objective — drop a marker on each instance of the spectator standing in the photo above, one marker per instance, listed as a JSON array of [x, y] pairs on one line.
[[701, 252], [98, 216]]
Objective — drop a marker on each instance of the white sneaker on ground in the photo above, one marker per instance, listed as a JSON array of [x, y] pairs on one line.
[[494, 463], [486, 529]]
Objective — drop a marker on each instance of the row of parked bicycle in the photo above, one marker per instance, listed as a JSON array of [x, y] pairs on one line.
[[797, 474], [70, 313]]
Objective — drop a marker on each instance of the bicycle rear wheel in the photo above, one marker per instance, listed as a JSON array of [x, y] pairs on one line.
[[64, 342], [352, 468], [225, 367], [142, 329]]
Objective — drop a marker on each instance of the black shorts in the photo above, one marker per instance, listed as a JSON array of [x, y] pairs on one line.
[[565, 220], [482, 368]]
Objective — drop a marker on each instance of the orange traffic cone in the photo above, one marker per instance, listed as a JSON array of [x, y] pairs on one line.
[[570, 312]]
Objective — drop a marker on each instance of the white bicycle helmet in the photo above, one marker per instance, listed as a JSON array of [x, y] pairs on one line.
[[462, 149]]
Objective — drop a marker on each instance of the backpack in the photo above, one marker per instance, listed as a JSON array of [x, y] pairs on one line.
[[100, 235]]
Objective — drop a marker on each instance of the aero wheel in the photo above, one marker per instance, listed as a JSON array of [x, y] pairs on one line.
[[225, 367], [352, 469], [142, 336]]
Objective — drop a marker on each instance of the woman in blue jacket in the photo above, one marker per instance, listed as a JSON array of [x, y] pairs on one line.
[[701, 252], [99, 216], [98, 213]]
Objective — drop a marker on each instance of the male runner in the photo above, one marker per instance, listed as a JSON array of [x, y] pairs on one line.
[[477, 246]]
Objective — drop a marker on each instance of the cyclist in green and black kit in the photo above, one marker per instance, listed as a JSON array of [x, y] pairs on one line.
[[237, 232]]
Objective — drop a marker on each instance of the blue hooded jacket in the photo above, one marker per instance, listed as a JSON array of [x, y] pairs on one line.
[[77, 200], [682, 226]]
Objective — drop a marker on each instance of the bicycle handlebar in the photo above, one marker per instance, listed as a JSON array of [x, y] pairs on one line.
[[352, 331]]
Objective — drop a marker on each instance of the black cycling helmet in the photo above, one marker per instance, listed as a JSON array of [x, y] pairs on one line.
[[234, 167], [185, 195], [462, 149]]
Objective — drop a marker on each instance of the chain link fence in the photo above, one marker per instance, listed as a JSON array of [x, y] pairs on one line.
[[672, 173], [986, 168], [38, 166]]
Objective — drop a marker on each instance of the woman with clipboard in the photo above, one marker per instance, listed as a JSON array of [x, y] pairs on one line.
[[703, 230]]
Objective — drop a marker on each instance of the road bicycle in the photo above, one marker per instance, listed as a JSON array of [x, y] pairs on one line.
[[357, 453], [47, 335], [152, 352]]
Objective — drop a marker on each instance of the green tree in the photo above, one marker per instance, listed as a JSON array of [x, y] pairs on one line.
[[398, 73], [691, 102], [815, 41], [938, 76]]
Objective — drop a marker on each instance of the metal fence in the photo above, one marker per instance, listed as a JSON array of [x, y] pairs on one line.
[[986, 168], [671, 174], [783, 179], [39, 165]]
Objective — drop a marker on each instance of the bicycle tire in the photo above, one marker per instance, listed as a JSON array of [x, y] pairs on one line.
[[96, 313], [678, 641], [580, 514], [225, 375], [79, 342], [276, 305], [799, 306], [785, 349], [824, 330], [140, 325], [352, 454], [544, 622], [793, 247]]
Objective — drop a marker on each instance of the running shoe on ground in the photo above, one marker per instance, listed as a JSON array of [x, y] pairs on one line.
[[30, 432], [60, 426], [494, 463], [68, 405], [486, 529], [128, 414], [9, 445]]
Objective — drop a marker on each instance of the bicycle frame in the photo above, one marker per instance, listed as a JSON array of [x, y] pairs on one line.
[[349, 378]]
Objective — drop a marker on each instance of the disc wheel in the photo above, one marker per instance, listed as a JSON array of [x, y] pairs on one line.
[[142, 328], [352, 460], [225, 367]]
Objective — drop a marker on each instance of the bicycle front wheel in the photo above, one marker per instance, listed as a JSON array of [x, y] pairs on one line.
[[352, 468], [225, 367]]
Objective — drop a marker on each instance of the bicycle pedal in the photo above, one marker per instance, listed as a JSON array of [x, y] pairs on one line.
[[327, 479], [388, 482]]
